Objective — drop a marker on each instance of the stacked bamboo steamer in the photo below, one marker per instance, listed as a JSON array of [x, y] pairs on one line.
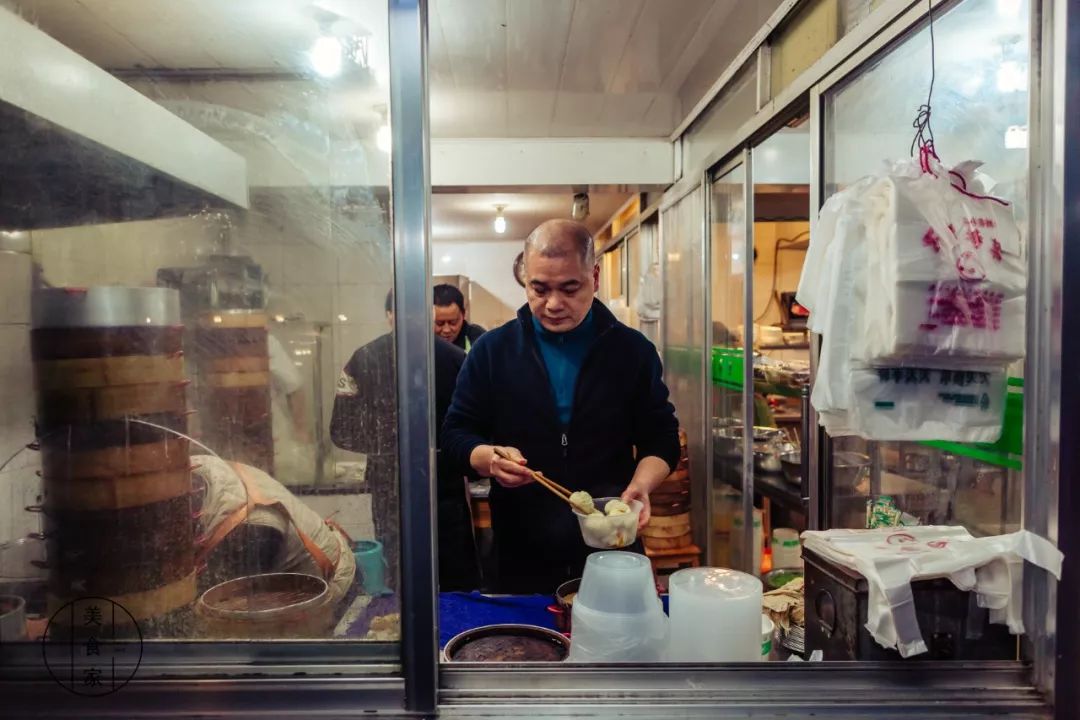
[[111, 416], [233, 371], [669, 526]]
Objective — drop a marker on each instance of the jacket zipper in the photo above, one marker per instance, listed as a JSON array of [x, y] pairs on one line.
[[577, 391], [565, 439]]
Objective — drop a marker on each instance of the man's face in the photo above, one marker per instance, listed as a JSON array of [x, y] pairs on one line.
[[560, 290], [448, 322]]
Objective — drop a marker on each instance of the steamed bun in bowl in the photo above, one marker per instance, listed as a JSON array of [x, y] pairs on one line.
[[615, 527]]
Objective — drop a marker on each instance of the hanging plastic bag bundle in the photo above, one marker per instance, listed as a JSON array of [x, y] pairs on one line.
[[947, 268], [916, 282]]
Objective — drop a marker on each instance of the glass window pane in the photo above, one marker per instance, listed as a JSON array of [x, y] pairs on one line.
[[209, 357], [980, 111], [727, 279], [684, 338]]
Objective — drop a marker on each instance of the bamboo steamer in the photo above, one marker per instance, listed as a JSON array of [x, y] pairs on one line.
[[270, 606], [667, 526], [232, 357], [653, 543], [111, 396]]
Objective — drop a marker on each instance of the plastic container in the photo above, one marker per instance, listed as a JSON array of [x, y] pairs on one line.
[[768, 627], [618, 582], [372, 566], [715, 616], [617, 615], [610, 533], [618, 637], [786, 548]]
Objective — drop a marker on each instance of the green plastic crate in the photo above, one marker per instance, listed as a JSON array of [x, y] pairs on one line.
[[727, 367]]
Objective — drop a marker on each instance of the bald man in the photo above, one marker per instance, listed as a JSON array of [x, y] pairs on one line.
[[572, 392]]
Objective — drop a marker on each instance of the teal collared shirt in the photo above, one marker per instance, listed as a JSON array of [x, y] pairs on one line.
[[563, 355]]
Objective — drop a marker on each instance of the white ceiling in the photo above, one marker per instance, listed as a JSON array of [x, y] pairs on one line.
[[578, 68], [499, 68], [469, 217]]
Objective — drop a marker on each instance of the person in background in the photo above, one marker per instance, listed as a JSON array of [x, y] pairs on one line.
[[364, 420], [249, 523], [450, 322], [573, 393], [294, 448]]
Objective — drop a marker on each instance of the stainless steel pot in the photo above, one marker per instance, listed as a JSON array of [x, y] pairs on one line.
[[460, 640], [105, 306]]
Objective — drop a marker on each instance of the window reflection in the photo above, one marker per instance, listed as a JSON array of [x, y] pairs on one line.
[[202, 272]]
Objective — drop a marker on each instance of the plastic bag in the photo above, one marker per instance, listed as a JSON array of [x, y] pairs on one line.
[[946, 268], [616, 637], [912, 269], [890, 558], [911, 403]]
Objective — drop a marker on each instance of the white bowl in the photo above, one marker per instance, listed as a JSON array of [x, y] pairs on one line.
[[610, 533]]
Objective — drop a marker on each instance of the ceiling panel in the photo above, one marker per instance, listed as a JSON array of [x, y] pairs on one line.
[[475, 35], [534, 62], [631, 109], [70, 22], [598, 38], [659, 38]]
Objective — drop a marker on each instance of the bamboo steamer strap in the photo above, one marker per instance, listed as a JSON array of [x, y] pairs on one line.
[[171, 454], [247, 364], [211, 321], [145, 604], [255, 498], [82, 405], [237, 379], [108, 371], [117, 493]]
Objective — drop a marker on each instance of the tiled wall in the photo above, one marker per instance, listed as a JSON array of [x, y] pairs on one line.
[[330, 266], [20, 485]]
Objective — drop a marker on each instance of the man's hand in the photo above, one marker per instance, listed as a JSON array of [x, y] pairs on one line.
[[508, 473], [650, 472], [635, 492]]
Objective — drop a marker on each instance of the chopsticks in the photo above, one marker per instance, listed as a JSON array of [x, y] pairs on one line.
[[560, 492]]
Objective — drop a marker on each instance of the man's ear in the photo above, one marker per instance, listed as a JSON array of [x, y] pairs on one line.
[[596, 277]]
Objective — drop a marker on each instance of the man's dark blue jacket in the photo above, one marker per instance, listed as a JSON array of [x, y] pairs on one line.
[[503, 397]]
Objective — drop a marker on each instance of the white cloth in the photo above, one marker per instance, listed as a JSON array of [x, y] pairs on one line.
[[891, 558], [225, 493]]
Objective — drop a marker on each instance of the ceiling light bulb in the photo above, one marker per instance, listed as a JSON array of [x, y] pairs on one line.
[[325, 56], [383, 139], [500, 224], [446, 259]]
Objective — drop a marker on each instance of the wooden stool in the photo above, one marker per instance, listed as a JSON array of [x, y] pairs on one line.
[[665, 562]]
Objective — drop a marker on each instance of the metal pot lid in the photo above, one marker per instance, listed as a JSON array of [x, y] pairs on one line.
[[105, 306]]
